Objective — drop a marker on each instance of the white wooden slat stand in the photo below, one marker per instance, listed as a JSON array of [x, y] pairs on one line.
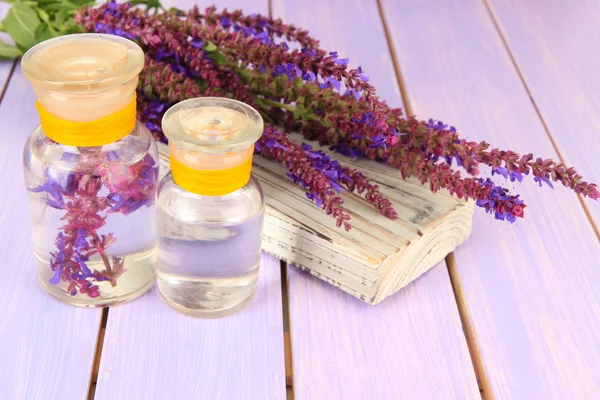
[[378, 256]]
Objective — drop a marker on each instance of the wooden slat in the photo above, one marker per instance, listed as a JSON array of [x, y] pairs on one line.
[[47, 348], [532, 289], [409, 346], [555, 45], [152, 352]]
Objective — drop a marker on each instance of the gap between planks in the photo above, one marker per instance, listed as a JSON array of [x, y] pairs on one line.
[[10, 74], [461, 304], [287, 337], [98, 353], [287, 341], [485, 389], [496, 23]]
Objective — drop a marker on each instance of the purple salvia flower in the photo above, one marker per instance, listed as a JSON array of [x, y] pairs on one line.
[[362, 76], [501, 171], [197, 43], [112, 156], [543, 180], [225, 22], [309, 52]]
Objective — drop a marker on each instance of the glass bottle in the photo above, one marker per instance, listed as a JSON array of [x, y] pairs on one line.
[[211, 209], [91, 171]]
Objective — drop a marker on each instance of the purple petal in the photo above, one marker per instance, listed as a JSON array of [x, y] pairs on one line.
[[56, 278], [330, 173], [197, 43], [500, 170]]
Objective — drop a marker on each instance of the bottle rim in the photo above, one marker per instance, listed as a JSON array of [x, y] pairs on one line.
[[83, 62], [212, 125]]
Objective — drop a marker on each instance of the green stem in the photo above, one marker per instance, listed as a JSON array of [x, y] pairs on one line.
[[278, 104]]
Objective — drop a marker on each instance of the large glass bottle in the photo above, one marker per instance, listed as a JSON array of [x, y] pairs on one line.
[[210, 208], [91, 171]]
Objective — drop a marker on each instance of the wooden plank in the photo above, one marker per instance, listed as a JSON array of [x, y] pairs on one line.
[[409, 346], [152, 352], [555, 45], [47, 347], [532, 289]]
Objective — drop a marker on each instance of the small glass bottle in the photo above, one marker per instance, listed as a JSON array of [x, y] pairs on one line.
[[91, 171], [211, 209]]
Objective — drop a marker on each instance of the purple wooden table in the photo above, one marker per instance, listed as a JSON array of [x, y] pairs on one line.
[[513, 314]]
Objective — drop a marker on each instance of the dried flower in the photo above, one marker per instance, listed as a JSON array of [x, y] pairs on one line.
[[314, 92], [129, 187]]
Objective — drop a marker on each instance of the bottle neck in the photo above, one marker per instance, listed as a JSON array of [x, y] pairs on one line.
[[211, 174], [87, 119]]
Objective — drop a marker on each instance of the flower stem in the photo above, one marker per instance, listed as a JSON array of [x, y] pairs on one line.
[[270, 102], [101, 251]]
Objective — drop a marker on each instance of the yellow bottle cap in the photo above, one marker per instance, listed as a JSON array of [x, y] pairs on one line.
[[85, 84], [212, 142]]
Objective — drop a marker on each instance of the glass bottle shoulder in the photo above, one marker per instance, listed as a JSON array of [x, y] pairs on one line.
[[129, 150], [234, 207]]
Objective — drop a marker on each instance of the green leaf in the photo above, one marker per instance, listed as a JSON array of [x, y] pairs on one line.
[[63, 5], [8, 52], [43, 15], [82, 2], [210, 47], [42, 32], [176, 10], [20, 22], [60, 18], [150, 4], [217, 57], [43, 3]]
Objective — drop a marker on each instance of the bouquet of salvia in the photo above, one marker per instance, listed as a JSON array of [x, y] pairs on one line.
[[298, 87]]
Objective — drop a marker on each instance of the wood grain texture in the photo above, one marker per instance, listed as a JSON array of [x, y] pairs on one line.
[[533, 289], [47, 348], [152, 352], [411, 346], [555, 45]]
